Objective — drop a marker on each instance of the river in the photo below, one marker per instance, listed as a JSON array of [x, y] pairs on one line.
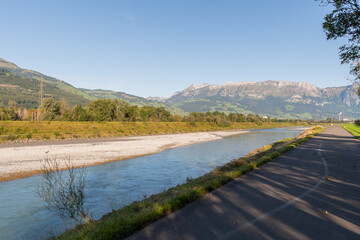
[[112, 185]]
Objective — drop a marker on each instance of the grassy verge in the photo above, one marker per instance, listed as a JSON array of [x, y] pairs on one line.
[[352, 128], [25, 130], [127, 220]]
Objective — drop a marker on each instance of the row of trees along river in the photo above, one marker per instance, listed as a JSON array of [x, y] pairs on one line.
[[119, 110]]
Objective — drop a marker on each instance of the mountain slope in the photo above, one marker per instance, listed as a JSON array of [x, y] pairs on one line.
[[14, 69], [283, 99], [25, 91], [132, 99], [58, 89]]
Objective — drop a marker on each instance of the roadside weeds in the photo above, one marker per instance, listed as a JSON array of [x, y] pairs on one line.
[[353, 129]]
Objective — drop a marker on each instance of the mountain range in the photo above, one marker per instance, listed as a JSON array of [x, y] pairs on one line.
[[282, 99], [23, 86]]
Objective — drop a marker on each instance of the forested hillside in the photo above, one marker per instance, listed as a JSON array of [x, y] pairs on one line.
[[14, 69], [26, 91]]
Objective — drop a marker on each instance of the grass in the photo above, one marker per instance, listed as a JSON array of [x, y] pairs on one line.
[[25, 130], [127, 220], [353, 129]]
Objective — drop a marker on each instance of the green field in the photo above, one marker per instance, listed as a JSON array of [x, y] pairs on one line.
[[352, 128], [27, 130]]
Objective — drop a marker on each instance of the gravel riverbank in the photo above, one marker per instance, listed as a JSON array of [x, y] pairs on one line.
[[25, 159]]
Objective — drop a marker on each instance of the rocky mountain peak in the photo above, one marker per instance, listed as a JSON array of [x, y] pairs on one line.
[[156, 99], [194, 86]]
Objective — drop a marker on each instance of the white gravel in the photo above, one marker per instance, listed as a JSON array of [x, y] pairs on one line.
[[21, 159]]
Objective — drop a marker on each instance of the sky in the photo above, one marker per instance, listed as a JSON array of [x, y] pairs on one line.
[[158, 47]]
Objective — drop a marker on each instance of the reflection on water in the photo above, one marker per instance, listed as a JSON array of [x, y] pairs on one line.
[[112, 185]]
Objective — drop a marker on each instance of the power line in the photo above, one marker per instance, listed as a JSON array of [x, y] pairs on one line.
[[41, 92]]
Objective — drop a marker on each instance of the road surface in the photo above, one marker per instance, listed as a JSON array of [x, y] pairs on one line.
[[310, 192]]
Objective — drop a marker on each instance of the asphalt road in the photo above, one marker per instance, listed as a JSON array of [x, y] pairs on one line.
[[310, 192]]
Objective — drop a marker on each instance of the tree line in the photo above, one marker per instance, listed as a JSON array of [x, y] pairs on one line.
[[102, 110]]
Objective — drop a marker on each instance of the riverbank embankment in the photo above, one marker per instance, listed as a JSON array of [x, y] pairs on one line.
[[27, 131], [80, 141]]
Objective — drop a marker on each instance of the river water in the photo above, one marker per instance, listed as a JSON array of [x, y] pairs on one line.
[[112, 185]]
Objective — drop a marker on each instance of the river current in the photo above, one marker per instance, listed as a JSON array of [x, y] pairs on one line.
[[112, 185]]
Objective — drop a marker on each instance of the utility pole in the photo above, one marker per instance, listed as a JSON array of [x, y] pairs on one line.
[[41, 92]]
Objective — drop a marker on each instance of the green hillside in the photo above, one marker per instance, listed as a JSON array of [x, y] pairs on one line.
[[132, 99], [14, 69], [22, 85], [25, 91]]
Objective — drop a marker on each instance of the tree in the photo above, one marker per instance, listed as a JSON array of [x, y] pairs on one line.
[[79, 113], [241, 118], [132, 113], [177, 118], [102, 110], [232, 117], [51, 108], [63, 190], [344, 22], [144, 113], [120, 108], [162, 114], [12, 110]]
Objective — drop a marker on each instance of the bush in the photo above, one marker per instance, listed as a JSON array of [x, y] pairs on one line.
[[357, 122], [63, 191], [44, 136], [12, 137], [28, 135]]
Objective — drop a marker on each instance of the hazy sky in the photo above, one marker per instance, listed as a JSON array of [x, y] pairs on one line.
[[154, 48]]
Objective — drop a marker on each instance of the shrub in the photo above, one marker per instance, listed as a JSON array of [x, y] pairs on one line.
[[357, 122], [63, 191], [28, 135], [44, 136], [12, 137]]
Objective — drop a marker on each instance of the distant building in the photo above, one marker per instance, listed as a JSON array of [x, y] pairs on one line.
[[265, 117]]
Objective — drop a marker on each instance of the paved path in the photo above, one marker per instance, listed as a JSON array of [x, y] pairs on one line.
[[288, 198]]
